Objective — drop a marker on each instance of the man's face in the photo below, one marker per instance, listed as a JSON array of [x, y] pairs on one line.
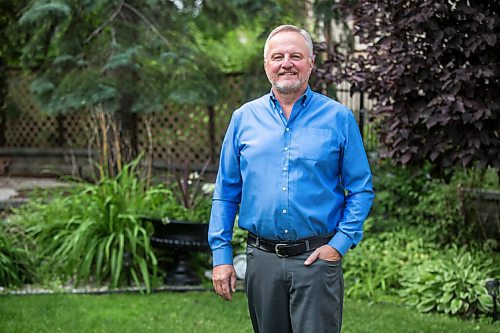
[[287, 62]]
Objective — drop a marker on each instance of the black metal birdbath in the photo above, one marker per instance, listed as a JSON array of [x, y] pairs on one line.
[[184, 238]]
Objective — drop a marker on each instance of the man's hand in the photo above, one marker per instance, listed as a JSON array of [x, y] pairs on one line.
[[325, 252], [224, 280]]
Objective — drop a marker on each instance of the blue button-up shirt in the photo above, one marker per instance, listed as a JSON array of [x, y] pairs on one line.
[[291, 179]]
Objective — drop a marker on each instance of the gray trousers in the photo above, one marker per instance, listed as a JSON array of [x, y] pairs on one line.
[[286, 296]]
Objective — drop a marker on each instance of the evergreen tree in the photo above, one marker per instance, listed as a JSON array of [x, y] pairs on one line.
[[133, 56]]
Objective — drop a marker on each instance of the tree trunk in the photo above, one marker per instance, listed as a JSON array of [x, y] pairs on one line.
[[3, 95]]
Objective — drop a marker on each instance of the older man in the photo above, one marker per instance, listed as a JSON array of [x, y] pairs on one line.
[[293, 162]]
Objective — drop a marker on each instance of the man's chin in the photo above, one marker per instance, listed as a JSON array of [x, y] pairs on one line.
[[288, 88]]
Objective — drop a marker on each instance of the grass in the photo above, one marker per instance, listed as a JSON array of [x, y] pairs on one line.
[[196, 312]]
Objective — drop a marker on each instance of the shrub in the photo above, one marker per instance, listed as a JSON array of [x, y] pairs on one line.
[[427, 276], [432, 68], [409, 248], [95, 233], [85, 233], [398, 191], [452, 282], [375, 266], [411, 197], [16, 264], [161, 202]]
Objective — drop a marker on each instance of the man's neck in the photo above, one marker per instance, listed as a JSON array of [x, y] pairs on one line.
[[288, 100]]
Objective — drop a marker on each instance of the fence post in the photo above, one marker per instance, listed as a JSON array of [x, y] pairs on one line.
[[211, 132], [362, 111], [60, 130], [127, 126]]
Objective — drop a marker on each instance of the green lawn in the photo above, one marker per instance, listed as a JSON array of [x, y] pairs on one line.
[[195, 312]]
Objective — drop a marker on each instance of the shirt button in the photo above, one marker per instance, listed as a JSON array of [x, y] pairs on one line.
[[286, 148], [286, 231], [284, 211], [283, 188], [287, 129], [284, 169]]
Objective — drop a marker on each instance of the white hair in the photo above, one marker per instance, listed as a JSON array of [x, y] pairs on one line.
[[289, 27]]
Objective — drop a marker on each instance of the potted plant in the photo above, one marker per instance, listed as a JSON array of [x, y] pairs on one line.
[[183, 228]]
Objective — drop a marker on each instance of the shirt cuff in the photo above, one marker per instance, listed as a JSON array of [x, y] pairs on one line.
[[341, 243], [222, 256]]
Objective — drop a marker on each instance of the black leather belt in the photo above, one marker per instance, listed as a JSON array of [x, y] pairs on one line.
[[287, 248]]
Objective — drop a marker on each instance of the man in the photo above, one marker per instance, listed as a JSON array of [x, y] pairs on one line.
[[293, 162]]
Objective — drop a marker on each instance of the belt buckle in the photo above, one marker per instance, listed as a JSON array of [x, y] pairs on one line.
[[276, 250]]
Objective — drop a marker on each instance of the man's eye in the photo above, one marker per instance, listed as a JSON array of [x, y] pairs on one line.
[[296, 57], [277, 58]]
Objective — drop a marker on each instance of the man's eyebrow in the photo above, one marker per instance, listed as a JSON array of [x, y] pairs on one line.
[[291, 53]]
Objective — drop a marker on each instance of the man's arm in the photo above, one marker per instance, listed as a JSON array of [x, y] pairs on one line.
[[226, 199], [357, 181], [220, 235]]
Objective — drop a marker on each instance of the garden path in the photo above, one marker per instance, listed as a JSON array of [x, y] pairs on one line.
[[13, 188]]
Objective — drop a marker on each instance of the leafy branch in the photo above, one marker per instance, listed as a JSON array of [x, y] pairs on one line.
[[106, 23]]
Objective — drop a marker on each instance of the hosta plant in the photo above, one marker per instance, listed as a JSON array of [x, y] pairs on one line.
[[453, 283]]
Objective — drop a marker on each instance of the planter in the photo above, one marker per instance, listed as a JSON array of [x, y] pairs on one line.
[[184, 238], [482, 209]]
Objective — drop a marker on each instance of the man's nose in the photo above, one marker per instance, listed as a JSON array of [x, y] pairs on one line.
[[286, 62]]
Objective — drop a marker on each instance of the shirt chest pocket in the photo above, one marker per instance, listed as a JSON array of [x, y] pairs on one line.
[[315, 144]]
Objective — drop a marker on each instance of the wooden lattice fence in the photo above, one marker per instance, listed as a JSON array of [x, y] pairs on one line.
[[26, 126], [178, 135]]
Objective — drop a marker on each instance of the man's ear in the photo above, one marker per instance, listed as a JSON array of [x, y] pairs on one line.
[[312, 60]]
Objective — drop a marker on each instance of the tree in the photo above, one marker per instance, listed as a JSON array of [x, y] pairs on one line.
[[433, 69], [133, 56], [93, 51]]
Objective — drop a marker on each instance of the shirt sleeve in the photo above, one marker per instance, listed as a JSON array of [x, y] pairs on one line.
[[356, 179], [226, 198]]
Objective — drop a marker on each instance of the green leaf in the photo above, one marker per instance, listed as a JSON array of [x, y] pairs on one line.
[[124, 59], [40, 12], [42, 85], [456, 305], [446, 298]]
